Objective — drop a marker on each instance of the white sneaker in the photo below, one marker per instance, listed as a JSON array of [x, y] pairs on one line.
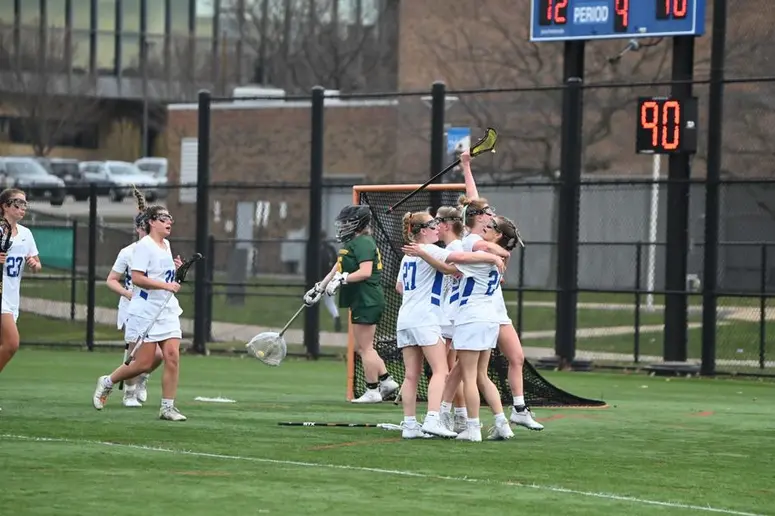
[[387, 387], [413, 431], [500, 432], [171, 414], [101, 393], [434, 426], [130, 399], [141, 392], [525, 418], [472, 432], [448, 421], [459, 425], [370, 396]]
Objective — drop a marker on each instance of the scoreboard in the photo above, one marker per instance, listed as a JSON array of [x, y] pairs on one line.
[[563, 20], [666, 125]]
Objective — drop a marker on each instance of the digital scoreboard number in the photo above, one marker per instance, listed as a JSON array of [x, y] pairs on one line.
[[563, 20], [666, 125]]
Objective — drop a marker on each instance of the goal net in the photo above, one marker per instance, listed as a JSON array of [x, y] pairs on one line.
[[386, 229]]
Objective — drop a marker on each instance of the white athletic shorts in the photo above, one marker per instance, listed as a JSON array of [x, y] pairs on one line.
[[418, 336], [447, 331], [15, 314], [163, 329], [475, 336]]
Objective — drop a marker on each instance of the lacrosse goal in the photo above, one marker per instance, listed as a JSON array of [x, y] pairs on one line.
[[386, 229]]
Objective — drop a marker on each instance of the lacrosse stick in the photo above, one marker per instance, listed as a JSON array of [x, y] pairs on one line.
[[485, 144], [384, 426], [5, 245], [269, 346], [180, 277]]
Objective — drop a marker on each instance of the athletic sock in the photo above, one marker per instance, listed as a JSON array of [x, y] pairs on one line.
[[500, 418], [461, 412], [410, 420], [519, 401], [432, 414], [473, 421], [446, 408], [167, 403], [384, 377], [372, 385], [108, 383]]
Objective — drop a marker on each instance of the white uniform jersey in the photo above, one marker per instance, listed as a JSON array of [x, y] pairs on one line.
[[500, 303], [423, 296], [157, 264], [451, 284], [22, 247], [123, 266], [477, 301]]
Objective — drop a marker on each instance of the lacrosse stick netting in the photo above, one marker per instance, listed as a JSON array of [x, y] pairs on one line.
[[269, 346]]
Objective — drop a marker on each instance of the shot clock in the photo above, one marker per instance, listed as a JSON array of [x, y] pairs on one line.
[[563, 20], [666, 125]]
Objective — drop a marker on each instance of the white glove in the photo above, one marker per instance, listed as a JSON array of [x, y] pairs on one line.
[[313, 295], [340, 278]]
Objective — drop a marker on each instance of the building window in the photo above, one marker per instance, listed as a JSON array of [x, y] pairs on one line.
[[180, 16], [156, 11], [7, 12], [130, 15], [106, 15], [56, 13], [130, 55], [156, 62], [81, 52], [205, 15], [106, 53], [82, 11]]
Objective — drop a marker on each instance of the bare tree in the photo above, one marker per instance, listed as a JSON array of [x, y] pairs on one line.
[[51, 103], [297, 44]]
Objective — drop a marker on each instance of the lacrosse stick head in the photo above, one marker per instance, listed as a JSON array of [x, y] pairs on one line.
[[269, 347], [180, 274], [5, 235], [486, 143]]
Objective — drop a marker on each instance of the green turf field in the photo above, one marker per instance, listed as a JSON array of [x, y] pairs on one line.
[[674, 447], [39, 328]]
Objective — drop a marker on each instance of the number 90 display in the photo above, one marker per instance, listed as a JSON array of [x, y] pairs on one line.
[[666, 125]]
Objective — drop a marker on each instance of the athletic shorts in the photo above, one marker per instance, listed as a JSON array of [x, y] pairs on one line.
[[15, 314], [418, 336], [366, 314], [447, 331], [163, 329], [475, 336]]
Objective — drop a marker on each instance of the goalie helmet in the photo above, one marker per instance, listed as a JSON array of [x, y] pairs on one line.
[[352, 219]]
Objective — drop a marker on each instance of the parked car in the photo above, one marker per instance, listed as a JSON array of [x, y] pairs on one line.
[[120, 176], [94, 172], [156, 167], [29, 175], [68, 170]]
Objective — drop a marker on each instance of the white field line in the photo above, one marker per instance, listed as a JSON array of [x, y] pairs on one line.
[[392, 472]]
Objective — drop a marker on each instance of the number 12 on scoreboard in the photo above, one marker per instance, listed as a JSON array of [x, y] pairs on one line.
[[666, 125]]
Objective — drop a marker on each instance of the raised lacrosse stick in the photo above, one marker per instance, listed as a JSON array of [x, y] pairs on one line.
[[269, 346], [180, 276], [5, 245], [485, 144]]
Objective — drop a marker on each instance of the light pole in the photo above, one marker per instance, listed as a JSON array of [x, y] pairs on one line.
[[144, 66]]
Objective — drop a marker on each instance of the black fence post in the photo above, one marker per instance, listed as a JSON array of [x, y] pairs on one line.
[[202, 222], [715, 135], [312, 269], [568, 230], [521, 292], [91, 276], [74, 272], [210, 264], [638, 287], [677, 237], [438, 107], [763, 308]]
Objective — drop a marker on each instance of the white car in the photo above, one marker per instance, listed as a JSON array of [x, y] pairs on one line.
[[122, 175]]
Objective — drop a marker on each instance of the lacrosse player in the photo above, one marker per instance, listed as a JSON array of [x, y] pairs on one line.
[[119, 280], [483, 232], [153, 301], [358, 274], [23, 250], [450, 232], [418, 327], [474, 336]]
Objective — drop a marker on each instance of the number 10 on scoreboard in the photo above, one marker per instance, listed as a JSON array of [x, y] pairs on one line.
[[666, 125]]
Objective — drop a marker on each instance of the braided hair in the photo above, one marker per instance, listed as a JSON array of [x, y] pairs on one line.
[[141, 207]]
